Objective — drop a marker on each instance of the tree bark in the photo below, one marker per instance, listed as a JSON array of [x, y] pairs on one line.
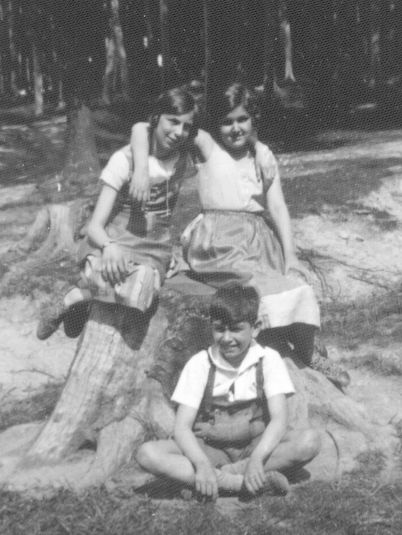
[[116, 72], [38, 81], [270, 36], [12, 48], [285, 35], [116, 396]]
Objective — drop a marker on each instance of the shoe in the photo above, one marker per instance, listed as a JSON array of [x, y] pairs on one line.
[[51, 316], [276, 484], [75, 318]]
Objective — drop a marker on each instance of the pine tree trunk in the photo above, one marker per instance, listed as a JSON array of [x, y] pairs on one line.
[[38, 81], [116, 72], [285, 35], [270, 33]]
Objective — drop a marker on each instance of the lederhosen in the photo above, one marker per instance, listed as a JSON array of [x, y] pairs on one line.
[[222, 412]]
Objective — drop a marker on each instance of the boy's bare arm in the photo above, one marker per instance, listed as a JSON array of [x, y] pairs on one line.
[[139, 143], [205, 477], [254, 476]]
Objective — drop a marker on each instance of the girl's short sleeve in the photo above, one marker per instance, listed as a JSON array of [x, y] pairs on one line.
[[267, 181], [276, 376], [116, 173], [192, 381]]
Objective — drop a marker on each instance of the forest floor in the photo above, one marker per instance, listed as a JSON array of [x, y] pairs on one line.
[[344, 190]]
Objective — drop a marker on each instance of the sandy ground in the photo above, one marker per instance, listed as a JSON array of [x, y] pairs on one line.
[[345, 197]]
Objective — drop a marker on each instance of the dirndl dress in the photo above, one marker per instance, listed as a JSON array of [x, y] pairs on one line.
[[232, 240], [142, 232]]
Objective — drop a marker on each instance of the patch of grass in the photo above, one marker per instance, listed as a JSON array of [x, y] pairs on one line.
[[351, 324], [356, 504], [36, 407], [376, 364]]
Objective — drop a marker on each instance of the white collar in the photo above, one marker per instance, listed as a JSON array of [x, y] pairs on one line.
[[253, 355]]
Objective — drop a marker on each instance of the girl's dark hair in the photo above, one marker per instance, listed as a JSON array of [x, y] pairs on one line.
[[236, 94], [176, 101], [234, 303]]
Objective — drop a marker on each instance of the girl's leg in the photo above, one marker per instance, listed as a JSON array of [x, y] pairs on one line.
[[76, 295], [301, 336]]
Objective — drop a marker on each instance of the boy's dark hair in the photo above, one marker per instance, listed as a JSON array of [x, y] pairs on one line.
[[235, 303]]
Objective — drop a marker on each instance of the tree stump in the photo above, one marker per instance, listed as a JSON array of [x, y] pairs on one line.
[[117, 395]]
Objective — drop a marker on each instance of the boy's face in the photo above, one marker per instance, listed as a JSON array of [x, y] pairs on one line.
[[233, 341]]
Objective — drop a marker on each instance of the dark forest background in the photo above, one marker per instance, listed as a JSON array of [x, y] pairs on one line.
[[319, 57]]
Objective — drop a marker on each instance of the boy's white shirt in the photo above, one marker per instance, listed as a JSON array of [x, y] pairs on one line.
[[193, 379]]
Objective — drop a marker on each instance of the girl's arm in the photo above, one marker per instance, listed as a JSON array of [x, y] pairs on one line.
[[265, 163], [205, 477], [254, 475], [280, 217], [139, 143], [114, 266]]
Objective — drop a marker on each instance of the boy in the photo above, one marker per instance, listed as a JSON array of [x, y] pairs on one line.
[[231, 424]]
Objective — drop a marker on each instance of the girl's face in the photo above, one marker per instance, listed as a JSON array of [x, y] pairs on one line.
[[171, 132], [236, 129]]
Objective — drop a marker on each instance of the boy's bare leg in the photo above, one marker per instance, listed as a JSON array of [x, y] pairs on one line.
[[297, 448], [164, 458]]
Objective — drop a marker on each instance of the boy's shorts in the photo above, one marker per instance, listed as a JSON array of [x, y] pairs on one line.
[[221, 456]]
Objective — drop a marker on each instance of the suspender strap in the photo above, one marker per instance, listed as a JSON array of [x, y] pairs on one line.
[[259, 377], [206, 403]]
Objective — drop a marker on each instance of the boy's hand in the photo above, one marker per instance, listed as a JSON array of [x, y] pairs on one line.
[[140, 187], [254, 476], [205, 481], [114, 268], [265, 164], [202, 430]]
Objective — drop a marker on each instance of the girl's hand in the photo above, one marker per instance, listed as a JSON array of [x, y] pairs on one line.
[[114, 267], [265, 164], [254, 476], [206, 483], [174, 266], [140, 186]]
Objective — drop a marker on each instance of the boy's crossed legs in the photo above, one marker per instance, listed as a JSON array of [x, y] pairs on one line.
[[164, 458]]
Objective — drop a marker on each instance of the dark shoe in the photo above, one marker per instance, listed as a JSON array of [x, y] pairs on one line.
[[51, 315], [276, 484], [75, 318]]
